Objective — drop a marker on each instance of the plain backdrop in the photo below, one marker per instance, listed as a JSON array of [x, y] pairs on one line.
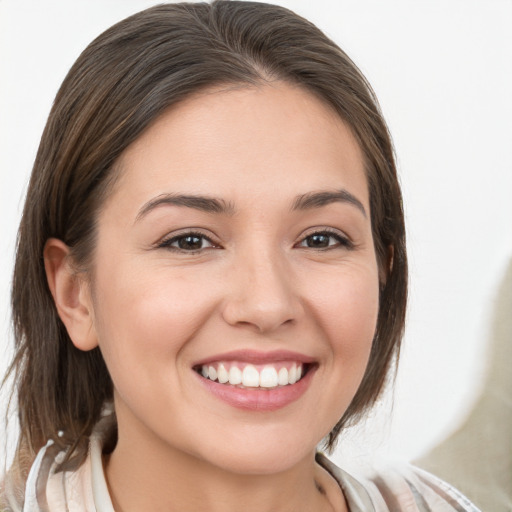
[[442, 70]]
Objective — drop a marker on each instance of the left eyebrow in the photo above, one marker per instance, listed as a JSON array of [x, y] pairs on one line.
[[202, 203], [323, 198]]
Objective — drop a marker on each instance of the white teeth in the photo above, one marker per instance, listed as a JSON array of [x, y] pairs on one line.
[[250, 377], [235, 376], [282, 377], [268, 377], [222, 374], [292, 375]]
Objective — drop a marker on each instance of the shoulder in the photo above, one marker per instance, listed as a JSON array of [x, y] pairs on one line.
[[397, 488], [78, 488]]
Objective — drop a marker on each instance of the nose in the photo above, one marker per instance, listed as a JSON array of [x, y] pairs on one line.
[[261, 294]]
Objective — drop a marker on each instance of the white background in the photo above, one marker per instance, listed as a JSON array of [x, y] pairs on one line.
[[442, 70]]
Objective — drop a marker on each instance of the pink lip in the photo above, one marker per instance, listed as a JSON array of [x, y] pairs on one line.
[[256, 357], [259, 399]]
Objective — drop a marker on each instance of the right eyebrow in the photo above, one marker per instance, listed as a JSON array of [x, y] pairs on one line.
[[203, 203], [325, 197]]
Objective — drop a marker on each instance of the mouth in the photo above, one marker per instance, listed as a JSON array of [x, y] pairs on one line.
[[258, 382], [254, 376]]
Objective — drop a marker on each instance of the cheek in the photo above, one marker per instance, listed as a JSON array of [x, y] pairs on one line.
[[347, 306], [347, 309], [146, 318]]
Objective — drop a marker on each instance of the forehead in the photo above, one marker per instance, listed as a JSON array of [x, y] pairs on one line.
[[273, 138]]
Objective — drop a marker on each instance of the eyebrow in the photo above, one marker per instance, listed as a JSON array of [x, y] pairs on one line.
[[208, 204], [323, 198], [202, 203]]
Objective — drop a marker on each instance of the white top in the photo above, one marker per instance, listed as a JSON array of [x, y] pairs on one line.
[[85, 489]]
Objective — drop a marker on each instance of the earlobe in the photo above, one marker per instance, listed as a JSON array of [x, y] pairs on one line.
[[71, 295]]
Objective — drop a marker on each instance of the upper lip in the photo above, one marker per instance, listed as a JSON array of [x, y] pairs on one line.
[[257, 357]]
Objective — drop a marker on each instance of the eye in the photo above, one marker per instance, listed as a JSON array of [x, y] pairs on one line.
[[325, 240], [187, 242]]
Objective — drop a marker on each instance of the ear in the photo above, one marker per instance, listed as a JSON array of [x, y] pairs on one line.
[[71, 294]]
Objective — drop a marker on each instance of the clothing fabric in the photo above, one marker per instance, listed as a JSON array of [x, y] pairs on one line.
[[399, 489], [85, 489]]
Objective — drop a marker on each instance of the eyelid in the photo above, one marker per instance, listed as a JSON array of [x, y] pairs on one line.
[[344, 240], [166, 241]]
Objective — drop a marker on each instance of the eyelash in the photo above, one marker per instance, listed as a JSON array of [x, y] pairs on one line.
[[167, 243], [341, 241]]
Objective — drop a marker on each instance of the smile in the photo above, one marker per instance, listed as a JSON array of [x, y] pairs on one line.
[[243, 375], [255, 381]]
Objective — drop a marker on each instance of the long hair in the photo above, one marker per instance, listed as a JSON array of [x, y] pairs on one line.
[[121, 83]]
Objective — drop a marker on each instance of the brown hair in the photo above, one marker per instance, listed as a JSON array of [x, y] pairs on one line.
[[121, 83]]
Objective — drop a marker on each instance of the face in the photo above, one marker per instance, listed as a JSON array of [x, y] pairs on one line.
[[235, 283]]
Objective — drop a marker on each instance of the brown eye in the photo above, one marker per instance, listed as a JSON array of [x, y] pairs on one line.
[[318, 241], [325, 240], [188, 242]]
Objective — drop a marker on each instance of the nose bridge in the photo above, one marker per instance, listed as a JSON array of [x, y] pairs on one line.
[[262, 291]]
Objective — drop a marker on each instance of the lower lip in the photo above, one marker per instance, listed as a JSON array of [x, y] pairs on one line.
[[257, 399]]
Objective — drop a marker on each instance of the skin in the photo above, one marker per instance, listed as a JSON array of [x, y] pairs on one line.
[[155, 310]]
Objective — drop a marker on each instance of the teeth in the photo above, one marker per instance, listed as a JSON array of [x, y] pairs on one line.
[[292, 375], [268, 377], [251, 377], [235, 376], [283, 377], [222, 374]]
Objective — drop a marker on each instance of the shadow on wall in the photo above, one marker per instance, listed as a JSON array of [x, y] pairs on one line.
[[477, 458]]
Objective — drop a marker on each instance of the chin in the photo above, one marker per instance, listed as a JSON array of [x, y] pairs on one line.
[[258, 464], [262, 454]]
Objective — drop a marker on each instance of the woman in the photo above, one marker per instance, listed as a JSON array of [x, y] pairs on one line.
[[211, 273]]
